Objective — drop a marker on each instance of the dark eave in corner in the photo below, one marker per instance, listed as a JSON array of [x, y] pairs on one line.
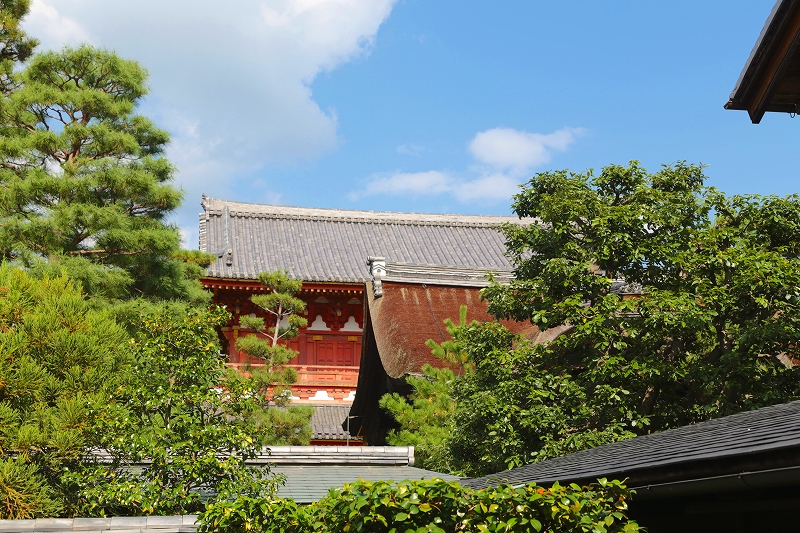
[[770, 80]]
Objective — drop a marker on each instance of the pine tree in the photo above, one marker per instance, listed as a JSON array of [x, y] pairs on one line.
[[83, 180], [450, 350], [281, 423], [16, 46], [60, 362], [282, 306]]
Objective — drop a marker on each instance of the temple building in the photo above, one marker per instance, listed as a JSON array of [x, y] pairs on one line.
[[328, 249]]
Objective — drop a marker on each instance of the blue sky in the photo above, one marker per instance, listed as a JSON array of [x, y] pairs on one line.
[[435, 106]]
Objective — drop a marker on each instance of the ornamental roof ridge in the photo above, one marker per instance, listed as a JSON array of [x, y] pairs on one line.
[[214, 206]]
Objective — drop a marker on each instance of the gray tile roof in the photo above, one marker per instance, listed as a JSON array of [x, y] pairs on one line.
[[336, 455], [769, 429], [332, 245], [314, 455], [306, 484], [326, 422]]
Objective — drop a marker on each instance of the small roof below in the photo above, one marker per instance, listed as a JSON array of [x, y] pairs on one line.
[[326, 422], [306, 484], [770, 80], [336, 455], [675, 454], [331, 245]]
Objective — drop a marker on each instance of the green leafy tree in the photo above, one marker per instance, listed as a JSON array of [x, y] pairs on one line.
[[180, 427], [280, 422], [83, 180], [61, 361], [516, 408], [714, 332]]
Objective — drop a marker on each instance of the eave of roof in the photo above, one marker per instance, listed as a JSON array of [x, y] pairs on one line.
[[770, 80], [688, 450]]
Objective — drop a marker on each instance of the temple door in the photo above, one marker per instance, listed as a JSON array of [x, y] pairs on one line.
[[324, 353], [344, 354]]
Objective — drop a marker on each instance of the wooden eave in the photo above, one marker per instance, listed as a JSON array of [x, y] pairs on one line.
[[253, 285], [770, 80]]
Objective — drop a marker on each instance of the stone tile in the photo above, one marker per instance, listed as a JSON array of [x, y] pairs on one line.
[[16, 525], [189, 519], [128, 522], [164, 521], [53, 524], [91, 524]]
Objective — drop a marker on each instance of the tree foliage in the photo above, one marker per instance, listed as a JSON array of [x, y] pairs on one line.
[[515, 408], [61, 362], [714, 331], [280, 423], [433, 506], [425, 417], [180, 426], [83, 179], [450, 350], [17, 47], [108, 404], [282, 307]]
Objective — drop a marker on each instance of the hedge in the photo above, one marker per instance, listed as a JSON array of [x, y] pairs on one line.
[[432, 506]]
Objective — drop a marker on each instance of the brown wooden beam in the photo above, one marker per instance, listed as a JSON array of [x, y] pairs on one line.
[[770, 78]]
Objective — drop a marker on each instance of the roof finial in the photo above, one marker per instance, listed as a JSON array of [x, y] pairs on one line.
[[377, 269]]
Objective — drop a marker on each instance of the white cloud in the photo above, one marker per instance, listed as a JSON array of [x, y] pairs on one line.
[[502, 156], [406, 184], [489, 188], [519, 151], [230, 81], [46, 23]]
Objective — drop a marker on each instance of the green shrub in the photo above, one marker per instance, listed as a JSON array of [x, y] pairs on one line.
[[60, 363], [23, 491], [432, 506]]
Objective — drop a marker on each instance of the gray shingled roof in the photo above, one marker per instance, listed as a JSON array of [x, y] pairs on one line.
[[332, 244], [306, 484], [326, 422], [768, 429]]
